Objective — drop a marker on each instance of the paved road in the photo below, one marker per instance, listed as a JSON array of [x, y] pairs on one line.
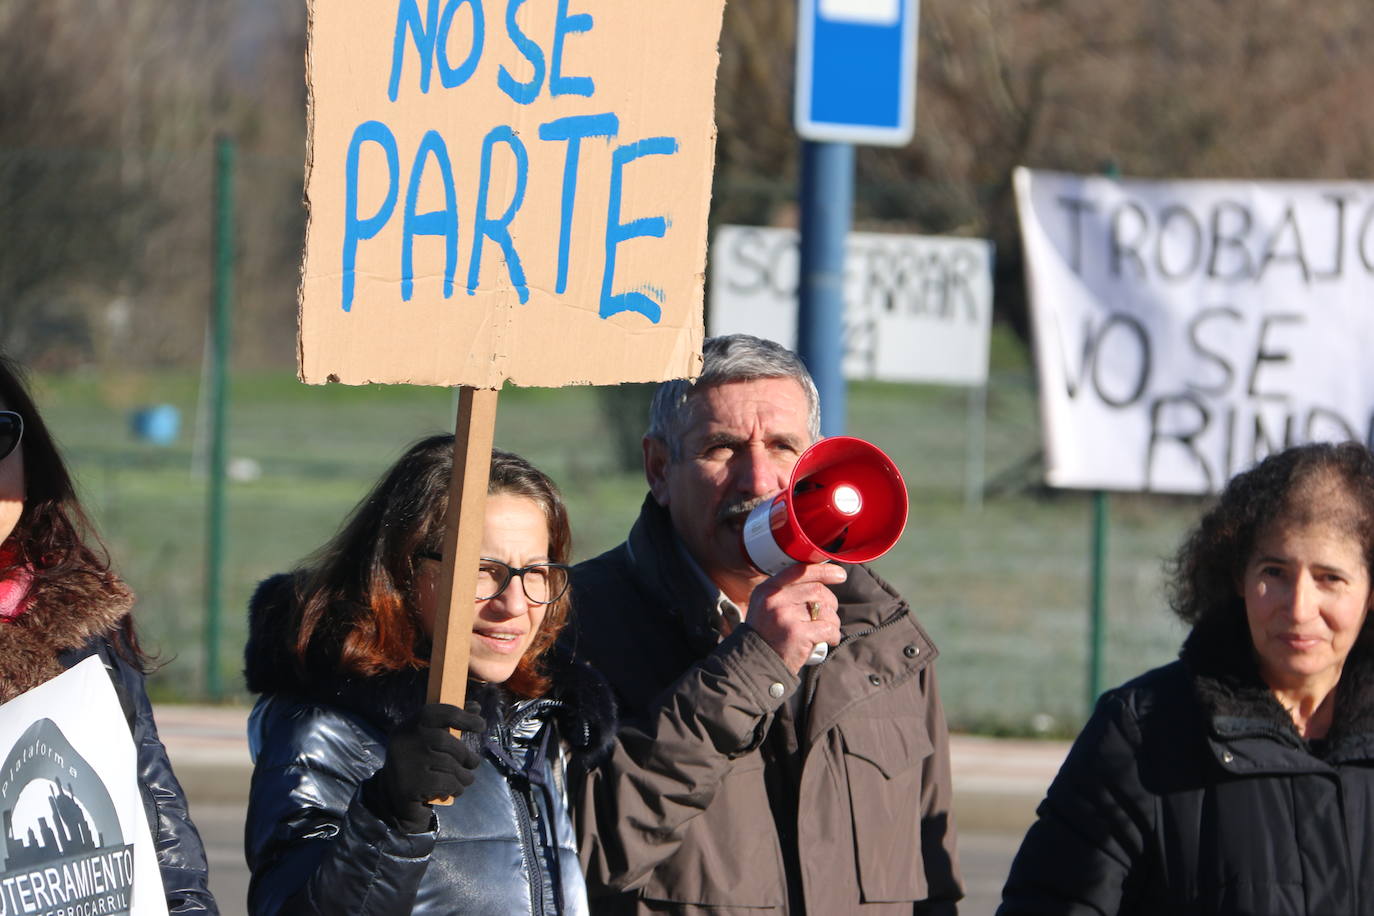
[[997, 785]]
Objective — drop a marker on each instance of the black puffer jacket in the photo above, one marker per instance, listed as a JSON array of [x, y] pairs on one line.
[[66, 625], [504, 847], [1190, 792]]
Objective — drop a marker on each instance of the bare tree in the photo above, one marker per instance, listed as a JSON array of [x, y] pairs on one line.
[[108, 110]]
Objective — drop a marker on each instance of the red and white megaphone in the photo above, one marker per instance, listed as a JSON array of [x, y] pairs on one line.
[[845, 501]]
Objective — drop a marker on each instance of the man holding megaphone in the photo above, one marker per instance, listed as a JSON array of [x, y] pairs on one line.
[[784, 747]]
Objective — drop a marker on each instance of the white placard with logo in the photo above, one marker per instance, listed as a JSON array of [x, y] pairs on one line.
[[917, 308], [1186, 329], [75, 837]]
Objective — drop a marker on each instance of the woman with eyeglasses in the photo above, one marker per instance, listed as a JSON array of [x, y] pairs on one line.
[[348, 756], [60, 604]]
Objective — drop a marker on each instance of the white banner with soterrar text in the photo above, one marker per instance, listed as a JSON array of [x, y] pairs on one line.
[[917, 308], [1186, 329]]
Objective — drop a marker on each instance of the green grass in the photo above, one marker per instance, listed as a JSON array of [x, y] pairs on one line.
[[1002, 587]]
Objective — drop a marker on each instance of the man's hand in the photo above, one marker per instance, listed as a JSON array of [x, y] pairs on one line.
[[794, 610]]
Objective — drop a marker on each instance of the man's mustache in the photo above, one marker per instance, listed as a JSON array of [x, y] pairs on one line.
[[729, 510]]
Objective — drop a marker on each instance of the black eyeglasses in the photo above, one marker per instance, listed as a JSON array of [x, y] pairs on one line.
[[11, 432], [544, 583]]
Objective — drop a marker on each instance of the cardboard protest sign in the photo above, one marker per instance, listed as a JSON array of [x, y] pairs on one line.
[[1186, 329], [75, 832], [502, 189], [917, 308]]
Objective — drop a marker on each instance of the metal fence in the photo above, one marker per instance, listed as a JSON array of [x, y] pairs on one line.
[[106, 290]]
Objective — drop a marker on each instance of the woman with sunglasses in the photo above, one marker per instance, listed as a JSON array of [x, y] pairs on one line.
[[60, 604], [347, 754]]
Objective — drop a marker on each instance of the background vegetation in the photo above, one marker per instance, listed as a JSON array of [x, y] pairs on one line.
[[1002, 586], [109, 108]]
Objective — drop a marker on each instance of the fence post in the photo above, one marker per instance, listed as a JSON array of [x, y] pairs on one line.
[[1097, 609], [219, 396], [1097, 602]]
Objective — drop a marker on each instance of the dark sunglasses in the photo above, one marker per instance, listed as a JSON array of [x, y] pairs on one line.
[[11, 431]]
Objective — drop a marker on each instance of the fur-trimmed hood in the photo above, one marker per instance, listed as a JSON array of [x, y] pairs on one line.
[[1219, 655], [59, 618], [585, 714]]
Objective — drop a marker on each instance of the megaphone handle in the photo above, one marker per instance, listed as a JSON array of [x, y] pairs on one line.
[[818, 654]]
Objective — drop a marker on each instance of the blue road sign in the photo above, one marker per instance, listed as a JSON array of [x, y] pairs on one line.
[[856, 71]]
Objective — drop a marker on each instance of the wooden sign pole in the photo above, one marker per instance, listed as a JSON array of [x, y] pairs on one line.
[[467, 498]]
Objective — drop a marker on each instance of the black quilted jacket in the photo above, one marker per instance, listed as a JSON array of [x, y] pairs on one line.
[[1190, 792], [505, 846]]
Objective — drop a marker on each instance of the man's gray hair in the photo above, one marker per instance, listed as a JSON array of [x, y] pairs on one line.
[[731, 358]]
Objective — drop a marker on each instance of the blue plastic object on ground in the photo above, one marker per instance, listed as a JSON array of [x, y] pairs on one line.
[[157, 423]]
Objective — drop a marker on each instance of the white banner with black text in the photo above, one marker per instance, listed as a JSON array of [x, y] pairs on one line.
[[1186, 329]]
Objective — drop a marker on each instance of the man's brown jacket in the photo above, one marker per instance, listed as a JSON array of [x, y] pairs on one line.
[[680, 819]]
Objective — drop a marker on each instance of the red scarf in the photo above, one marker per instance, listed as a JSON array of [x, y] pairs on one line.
[[14, 588]]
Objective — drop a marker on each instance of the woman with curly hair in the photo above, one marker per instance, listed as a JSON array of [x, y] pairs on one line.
[[60, 603], [348, 755], [1240, 778]]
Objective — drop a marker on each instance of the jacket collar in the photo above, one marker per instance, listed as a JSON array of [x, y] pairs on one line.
[[384, 700], [1244, 716], [60, 617], [660, 564], [660, 560]]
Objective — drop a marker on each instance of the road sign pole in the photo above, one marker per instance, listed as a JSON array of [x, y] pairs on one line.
[[1097, 598], [827, 205], [856, 83]]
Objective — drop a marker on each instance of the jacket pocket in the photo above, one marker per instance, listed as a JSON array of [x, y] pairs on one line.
[[882, 759], [729, 856]]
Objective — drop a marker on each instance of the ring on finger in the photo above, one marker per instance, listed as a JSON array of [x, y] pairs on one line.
[[814, 609]]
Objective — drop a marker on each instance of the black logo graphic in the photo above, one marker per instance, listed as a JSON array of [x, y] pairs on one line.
[[64, 853]]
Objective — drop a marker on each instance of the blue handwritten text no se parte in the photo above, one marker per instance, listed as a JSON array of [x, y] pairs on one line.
[[428, 35]]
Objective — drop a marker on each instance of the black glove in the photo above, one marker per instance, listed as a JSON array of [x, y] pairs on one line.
[[424, 761]]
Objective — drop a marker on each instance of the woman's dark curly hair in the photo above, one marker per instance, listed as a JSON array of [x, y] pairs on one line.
[[1211, 562], [356, 596]]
